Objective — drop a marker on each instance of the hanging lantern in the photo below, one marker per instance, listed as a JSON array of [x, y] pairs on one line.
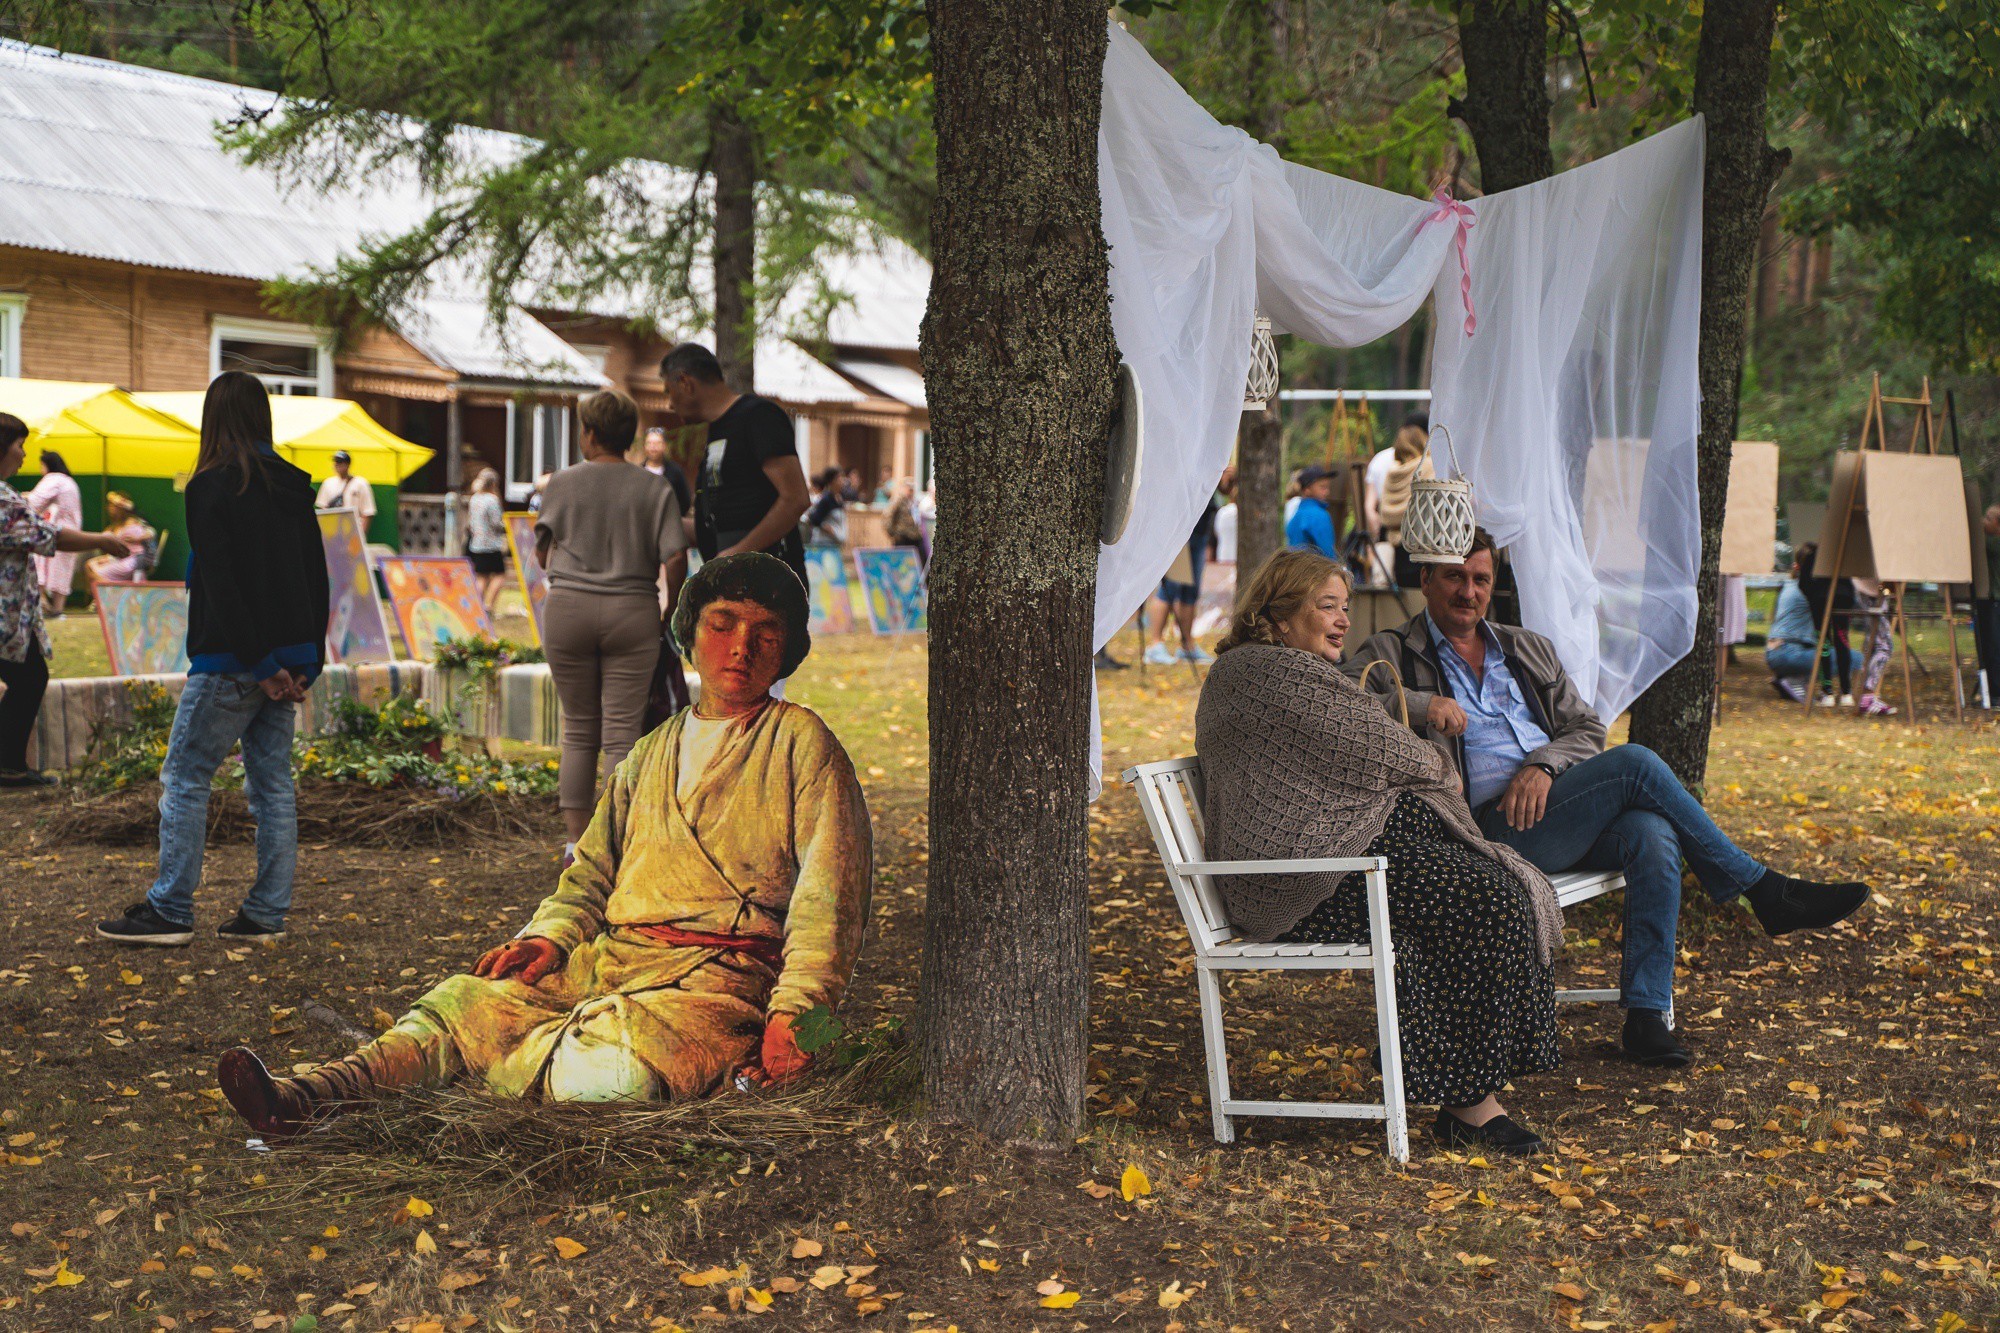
[[1438, 524], [1262, 386]]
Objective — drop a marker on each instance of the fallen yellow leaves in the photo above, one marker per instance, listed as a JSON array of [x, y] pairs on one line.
[[414, 1208], [460, 1281], [828, 1276], [1133, 1184], [707, 1277], [1171, 1296], [569, 1249], [802, 1248], [425, 1245], [1742, 1263], [59, 1276]]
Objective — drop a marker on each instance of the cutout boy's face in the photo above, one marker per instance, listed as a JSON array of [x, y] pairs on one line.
[[739, 648]]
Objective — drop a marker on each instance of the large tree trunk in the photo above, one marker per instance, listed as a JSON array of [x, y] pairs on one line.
[[1260, 491], [732, 157], [1019, 363], [1260, 437], [1732, 70], [1504, 45]]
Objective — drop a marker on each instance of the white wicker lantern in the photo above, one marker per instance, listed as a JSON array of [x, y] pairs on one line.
[[1439, 524], [1262, 385]]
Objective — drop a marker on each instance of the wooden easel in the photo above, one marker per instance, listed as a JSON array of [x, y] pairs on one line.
[[1922, 428]]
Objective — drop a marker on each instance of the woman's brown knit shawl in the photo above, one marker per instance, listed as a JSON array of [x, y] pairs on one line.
[[1298, 761]]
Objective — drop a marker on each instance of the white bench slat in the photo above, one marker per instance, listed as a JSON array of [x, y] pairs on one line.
[[1302, 866]]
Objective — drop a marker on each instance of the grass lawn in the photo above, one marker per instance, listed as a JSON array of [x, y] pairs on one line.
[[1829, 1160]]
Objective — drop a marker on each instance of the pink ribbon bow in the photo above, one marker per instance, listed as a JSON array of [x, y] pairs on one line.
[[1447, 209]]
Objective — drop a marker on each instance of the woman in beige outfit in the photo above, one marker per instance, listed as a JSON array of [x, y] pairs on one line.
[[606, 531]]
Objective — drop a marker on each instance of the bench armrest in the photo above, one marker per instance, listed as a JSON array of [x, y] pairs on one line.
[[1307, 865]]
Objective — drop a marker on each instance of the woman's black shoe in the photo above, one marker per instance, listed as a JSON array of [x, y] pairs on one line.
[[1500, 1134], [1649, 1041], [24, 777]]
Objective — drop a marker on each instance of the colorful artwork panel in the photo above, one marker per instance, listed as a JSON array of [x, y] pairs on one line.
[[892, 583], [826, 583], [534, 579], [145, 627], [357, 629], [435, 599]]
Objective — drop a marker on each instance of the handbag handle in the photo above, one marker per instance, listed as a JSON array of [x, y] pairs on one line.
[[1402, 701]]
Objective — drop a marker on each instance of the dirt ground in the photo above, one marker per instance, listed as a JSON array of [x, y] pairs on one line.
[[1829, 1160]]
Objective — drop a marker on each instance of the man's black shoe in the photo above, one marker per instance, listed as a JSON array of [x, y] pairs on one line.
[[1784, 904], [1649, 1041], [241, 927], [1500, 1134], [25, 777], [142, 925], [1106, 662]]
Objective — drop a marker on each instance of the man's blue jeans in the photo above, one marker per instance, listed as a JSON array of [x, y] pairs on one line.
[[1625, 810], [215, 713]]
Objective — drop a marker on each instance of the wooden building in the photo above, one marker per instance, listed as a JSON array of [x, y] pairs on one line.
[[134, 250]]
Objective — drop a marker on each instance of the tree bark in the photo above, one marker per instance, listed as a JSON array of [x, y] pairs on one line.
[[1260, 437], [732, 158], [1504, 45], [1732, 73], [1019, 364], [1260, 492]]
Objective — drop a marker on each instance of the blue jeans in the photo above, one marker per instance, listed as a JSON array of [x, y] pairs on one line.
[[1789, 659], [1625, 810], [215, 713]]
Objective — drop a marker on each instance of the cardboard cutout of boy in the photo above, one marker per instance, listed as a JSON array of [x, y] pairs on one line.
[[720, 891]]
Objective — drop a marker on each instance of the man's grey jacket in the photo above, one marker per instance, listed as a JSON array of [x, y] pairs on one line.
[[1575, 733]]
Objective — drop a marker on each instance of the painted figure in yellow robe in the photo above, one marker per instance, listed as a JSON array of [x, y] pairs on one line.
[[719, 893]]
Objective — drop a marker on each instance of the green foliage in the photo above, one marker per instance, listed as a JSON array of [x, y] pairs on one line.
[[124, 756], [482, 657], [823, 1036]]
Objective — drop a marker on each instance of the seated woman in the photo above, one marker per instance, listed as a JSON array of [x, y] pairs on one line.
[[719, 892], [1300, 762], [123, 522]]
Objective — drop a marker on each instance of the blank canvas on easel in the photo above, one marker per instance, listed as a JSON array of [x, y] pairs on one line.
[[1909, 519], [1750, 516]]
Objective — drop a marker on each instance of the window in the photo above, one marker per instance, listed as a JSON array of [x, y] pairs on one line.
[[539, 439], [290, 358], [13, 306]]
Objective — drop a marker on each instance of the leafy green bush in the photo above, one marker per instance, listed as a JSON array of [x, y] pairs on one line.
[[483, 657]]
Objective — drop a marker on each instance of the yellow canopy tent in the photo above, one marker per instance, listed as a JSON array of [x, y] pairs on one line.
[[98, 429], [309, 431]]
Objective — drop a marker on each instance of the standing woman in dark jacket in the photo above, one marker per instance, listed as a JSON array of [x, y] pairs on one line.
[[257, 608]]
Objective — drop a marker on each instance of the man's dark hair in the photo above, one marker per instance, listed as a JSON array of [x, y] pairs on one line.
[[748, 576], [1481, 541], [691, 359]]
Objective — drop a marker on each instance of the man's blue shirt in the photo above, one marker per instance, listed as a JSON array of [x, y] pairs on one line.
[[1500, 727], [1311, 527]]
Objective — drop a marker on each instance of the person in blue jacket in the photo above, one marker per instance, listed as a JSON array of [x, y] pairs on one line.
[[1310, 527], [256, 638]]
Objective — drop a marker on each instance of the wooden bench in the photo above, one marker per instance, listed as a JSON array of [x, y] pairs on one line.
[[1170, 793]]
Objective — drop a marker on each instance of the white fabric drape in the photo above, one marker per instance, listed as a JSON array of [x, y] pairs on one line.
[[1573, 407]]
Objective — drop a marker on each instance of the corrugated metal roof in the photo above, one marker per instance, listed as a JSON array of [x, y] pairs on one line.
[[886, 378], [122, 163]]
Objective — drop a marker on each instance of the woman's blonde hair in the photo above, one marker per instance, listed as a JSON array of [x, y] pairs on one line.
[[488, 482], [1281, 585], [1410, 441]]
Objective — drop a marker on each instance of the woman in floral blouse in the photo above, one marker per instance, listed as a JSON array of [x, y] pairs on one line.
[[24, 644]]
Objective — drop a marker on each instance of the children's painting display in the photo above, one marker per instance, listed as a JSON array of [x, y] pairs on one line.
[[435, 599], [145, 627], [892, 582], [534, 579], [357, 629], [826, 581]]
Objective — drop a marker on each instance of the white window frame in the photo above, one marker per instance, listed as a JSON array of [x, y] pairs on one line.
[[548, 450], [13, 310], [274, 331]]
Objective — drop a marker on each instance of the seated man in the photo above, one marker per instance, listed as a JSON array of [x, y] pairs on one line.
[[1530, 752], [720, 891]]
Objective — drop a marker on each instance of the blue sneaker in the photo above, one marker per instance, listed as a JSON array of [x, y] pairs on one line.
[[1157, 654], [1197, 656]]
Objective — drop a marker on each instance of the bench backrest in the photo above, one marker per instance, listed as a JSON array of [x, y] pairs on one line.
[[1170, 793]]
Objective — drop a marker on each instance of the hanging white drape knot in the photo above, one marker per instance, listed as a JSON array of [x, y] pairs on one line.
[[1447, 209]]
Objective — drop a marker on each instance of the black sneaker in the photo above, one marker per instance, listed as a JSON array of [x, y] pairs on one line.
[[241, 927], [25, 777], [142, 925], [1649, 1041], [1500, 1134], [1106, 662], [1784, 904]]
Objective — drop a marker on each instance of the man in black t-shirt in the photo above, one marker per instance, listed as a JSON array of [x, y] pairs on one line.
[[750, 491]]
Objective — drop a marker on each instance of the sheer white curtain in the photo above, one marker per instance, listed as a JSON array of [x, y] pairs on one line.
[[1572, 406]]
